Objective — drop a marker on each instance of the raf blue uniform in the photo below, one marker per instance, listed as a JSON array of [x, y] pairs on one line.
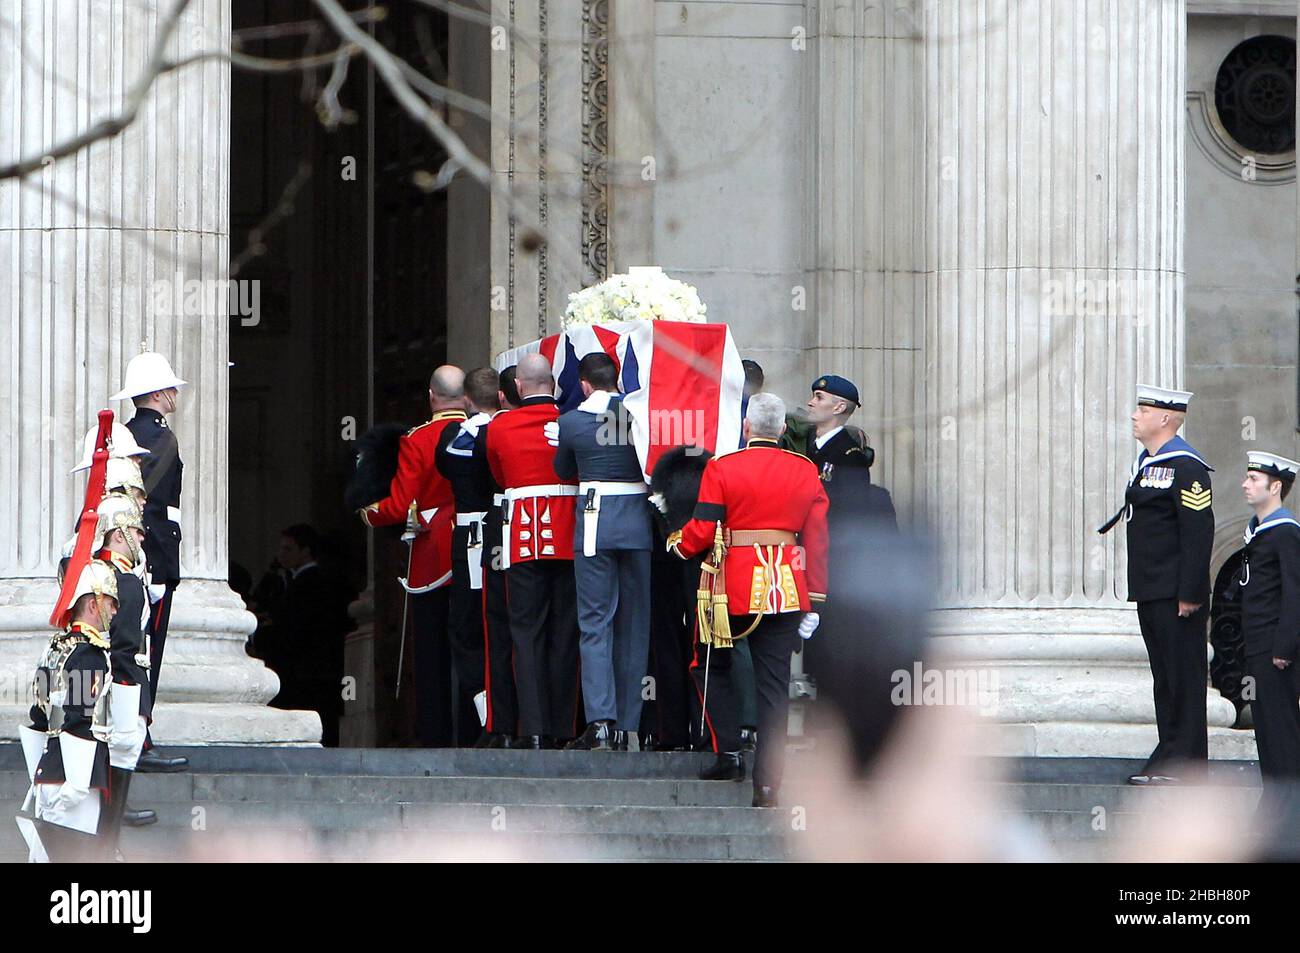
[[613, 536]]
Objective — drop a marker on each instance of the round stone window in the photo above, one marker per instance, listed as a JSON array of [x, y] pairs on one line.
[[1255, 94]]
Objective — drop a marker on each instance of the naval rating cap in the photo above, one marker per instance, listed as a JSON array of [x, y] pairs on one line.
[[837, 386], [1163, 397], [1273, 465]]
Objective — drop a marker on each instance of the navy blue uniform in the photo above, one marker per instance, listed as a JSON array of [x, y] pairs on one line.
[[1270, 622]]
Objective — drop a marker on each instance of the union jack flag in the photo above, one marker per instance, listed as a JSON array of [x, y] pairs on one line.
[[683, 384]]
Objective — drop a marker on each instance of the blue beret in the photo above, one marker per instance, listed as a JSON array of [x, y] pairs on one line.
[[837, 386]]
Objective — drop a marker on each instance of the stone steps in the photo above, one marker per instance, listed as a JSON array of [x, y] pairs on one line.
[[268, 804]]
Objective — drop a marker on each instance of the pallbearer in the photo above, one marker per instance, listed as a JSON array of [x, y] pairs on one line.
[[611, 555], [537, 553], [471, 558], [1170, 534], [1270, 621]]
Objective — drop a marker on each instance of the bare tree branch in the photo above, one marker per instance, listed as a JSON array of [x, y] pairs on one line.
[[389, 69], [256, 247], [113, 125]]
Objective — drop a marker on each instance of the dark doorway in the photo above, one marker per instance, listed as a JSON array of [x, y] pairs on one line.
[[348, 246]]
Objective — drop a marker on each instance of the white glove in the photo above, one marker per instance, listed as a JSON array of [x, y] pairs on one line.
[[809, 625], [552, 431]]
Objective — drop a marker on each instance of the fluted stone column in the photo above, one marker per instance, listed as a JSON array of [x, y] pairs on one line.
[[92, 249], [1054, 282]]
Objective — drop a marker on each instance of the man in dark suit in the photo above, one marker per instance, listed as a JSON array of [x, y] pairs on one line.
[[154, 388], [308, 629], [612, 536]]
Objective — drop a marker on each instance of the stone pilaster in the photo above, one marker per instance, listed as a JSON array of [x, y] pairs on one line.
[[1054, 182], [866, 292], [101, 252]]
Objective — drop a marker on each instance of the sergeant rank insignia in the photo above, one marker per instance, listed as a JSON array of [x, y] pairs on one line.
[[1197, 497]]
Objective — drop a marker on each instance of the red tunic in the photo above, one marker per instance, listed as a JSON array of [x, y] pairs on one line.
[[418, 482], [763, 487], [523, 464]]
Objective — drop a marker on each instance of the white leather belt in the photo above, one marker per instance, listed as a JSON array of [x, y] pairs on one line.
[[174, 514], [541, 489], [533, 492], [474, 550], [591, 509]]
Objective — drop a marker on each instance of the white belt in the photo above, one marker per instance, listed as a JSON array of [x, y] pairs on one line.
[[174, 514], [541, 489], [533, 492], [591, 512], [474, 551]]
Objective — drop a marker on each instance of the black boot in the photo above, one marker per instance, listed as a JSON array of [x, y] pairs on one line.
[[728, 767], [141, 818], [766, 796], [484, 739], [152, 762], [502, 740], [599, 736], [532, 743], [620, 739], [748, 739]]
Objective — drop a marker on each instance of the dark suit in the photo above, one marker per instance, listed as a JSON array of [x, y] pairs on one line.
[[310, 625], [612, 571], [161, 469]]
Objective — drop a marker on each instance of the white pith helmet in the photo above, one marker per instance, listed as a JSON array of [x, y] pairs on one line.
[[121, 443], [145, 374]]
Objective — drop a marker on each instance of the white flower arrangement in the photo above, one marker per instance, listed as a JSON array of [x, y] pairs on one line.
[[644, 294]]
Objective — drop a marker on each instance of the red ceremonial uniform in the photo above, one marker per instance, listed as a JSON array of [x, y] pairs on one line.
[[541, 505], [418, 481], [763, 488]]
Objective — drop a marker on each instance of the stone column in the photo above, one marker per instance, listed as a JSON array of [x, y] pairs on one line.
[[1054, 281], [122, 243]]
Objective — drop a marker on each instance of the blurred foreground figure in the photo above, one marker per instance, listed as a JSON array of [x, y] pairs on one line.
[[893, 779]]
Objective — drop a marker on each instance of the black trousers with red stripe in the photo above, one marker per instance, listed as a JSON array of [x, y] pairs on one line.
[[159, 620], [770, 645], [544, 628]]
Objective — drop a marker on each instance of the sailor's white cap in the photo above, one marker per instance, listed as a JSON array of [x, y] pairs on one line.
[[1273, 465], [1164, 397]]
